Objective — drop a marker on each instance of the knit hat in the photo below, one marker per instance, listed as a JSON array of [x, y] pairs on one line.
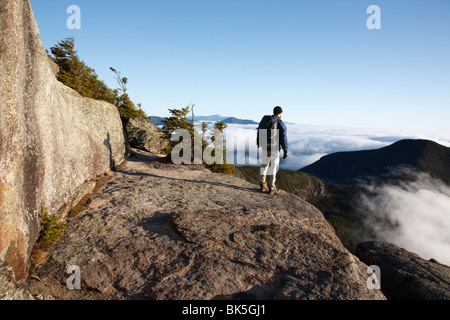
[[277, 111]]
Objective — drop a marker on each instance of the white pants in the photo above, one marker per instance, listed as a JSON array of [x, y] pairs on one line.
[[270, 163]]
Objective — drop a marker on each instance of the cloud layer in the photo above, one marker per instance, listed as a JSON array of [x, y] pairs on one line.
[[308, 143], [417, 216]]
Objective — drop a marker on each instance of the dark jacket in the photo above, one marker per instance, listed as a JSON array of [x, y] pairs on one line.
[[283, 135]]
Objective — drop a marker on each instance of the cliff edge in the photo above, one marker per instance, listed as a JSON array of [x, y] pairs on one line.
[[166, 232]]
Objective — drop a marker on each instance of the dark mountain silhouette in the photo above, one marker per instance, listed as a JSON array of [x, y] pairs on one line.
[[347, 167], [346, 174]]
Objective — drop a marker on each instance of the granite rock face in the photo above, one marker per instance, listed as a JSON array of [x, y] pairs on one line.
[[144, 135], [405, 275], [9, 290], [52, 140], [166, 232]]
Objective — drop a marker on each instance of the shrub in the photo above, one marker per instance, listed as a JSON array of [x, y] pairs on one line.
[[51, 227], [225, 168]]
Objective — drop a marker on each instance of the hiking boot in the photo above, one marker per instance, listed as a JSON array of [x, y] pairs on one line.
[[264, 187], [274, 192]]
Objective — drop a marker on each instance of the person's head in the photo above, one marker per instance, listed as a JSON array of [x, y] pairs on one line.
[[278, 111]]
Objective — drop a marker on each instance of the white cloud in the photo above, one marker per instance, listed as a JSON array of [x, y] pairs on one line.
[[308, 143], [419, 215]]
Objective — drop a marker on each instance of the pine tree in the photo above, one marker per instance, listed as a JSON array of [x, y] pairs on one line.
[[127, 108], [177, 120], [74, 73], [204, 138], [220, 126], [225, 167]]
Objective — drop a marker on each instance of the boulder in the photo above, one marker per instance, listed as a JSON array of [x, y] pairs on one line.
[[144, 135], [52, 140], [405, 275]]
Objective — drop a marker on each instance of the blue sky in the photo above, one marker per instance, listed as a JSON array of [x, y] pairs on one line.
[[315, 58]]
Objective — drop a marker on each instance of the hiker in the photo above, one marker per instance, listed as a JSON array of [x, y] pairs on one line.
[[275, 132]]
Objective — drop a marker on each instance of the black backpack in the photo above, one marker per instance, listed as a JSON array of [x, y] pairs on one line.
[[268, 123]]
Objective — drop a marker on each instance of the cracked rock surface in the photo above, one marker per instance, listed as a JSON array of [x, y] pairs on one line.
[[166, 232]]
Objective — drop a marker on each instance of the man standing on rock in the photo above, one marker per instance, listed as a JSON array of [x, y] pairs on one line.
[[274, 131]]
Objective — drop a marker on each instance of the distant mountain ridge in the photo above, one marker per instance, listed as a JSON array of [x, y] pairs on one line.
[[233, 120], [157, 120], [216, 117], [347, 167]]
